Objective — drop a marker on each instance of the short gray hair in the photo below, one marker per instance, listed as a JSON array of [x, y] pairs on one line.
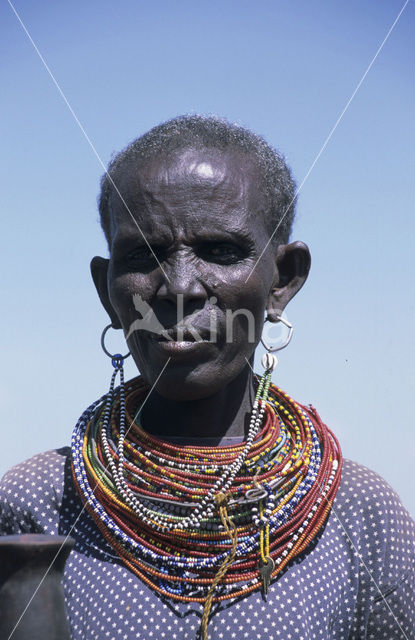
[[201, 132]]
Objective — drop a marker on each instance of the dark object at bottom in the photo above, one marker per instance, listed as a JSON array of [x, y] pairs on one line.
[[24, 564]]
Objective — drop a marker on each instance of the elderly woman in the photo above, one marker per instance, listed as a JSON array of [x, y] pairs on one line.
[[204, 501]]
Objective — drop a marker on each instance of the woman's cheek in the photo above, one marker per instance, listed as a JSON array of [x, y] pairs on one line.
[[121, 293]]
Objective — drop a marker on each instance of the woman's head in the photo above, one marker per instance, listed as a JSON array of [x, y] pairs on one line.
[[199, 132], [187, 224]]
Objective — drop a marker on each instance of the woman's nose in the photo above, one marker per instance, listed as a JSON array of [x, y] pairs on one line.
[[181, 283]]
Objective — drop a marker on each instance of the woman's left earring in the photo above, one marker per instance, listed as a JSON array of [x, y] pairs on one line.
[[270, 361]]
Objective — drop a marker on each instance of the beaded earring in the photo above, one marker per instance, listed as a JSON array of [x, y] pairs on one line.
[[270, 361], [117, 361], [260, 514]]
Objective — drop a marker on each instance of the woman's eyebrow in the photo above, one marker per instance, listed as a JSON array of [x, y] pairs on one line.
[[217, 234], [135, 237]]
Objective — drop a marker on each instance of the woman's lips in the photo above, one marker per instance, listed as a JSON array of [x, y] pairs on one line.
[[180, 348], [180, 341]]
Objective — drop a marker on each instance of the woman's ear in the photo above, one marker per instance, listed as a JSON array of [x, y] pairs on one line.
[[293, 264], [99, 272]]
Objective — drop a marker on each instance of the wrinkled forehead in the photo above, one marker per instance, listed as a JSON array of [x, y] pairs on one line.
[[189, 178], [209, 166]]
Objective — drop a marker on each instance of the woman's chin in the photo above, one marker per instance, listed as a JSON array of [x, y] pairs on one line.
[[183, 383]]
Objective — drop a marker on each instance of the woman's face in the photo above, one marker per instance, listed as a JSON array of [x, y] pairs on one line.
[[202, 213]]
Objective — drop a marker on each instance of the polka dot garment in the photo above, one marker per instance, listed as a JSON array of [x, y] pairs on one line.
[[356, 581]]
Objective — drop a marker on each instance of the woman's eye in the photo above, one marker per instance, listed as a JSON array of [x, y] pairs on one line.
[[225, 253], [142, 255]]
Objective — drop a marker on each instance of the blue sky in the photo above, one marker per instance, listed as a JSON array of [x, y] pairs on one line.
[[284, 69]]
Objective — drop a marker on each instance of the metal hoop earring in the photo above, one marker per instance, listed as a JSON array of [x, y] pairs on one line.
[[116, 358], [278, 347]]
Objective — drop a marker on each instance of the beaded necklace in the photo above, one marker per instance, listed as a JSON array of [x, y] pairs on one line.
[[205, 524]]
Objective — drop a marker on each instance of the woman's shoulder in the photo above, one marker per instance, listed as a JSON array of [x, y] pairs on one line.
[[31, 489], [363, 494], [39, 469], [362, 486], [370, 515]]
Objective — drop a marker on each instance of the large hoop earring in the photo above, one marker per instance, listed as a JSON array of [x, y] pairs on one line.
[[116, 358], [278, 347]]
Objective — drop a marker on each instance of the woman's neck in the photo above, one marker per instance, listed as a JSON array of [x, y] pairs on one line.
[[225, 413]]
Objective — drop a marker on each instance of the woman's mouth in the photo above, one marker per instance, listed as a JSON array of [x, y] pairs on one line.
[[180, 340]]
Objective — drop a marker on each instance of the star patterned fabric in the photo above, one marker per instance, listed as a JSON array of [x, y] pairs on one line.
[[356, 581]]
